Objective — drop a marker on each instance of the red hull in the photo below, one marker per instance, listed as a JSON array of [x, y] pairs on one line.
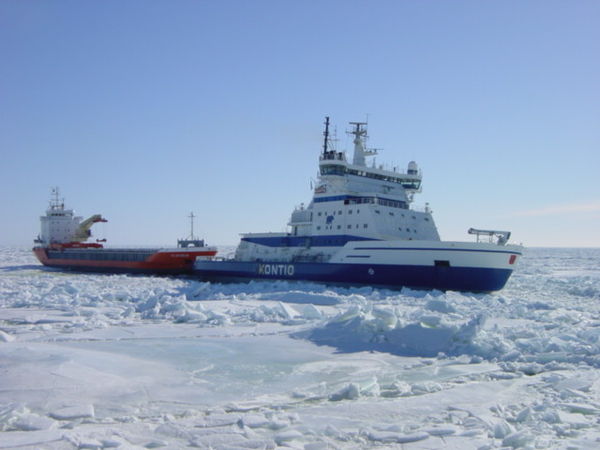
[[160, 261]]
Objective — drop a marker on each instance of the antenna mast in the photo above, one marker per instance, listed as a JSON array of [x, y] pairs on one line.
[[191, 241], [191, 216], [326, 135], [55, 203]]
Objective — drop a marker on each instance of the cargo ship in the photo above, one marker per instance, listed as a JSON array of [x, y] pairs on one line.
[[360, 229], [63, 243]]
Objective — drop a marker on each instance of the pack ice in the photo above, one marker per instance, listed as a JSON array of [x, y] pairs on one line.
[[115, 361]]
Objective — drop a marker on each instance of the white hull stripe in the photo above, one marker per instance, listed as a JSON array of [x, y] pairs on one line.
[[438, 249]]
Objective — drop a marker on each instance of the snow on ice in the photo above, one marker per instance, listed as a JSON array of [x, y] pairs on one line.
[[116, 361]]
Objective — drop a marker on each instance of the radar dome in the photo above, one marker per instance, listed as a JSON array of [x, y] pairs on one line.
[[413, 169]]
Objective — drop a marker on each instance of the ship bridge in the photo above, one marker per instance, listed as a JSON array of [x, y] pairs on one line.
[[408, 181], [334, 164]]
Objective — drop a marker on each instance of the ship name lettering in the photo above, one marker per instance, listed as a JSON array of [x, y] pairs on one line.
[[276, 269]]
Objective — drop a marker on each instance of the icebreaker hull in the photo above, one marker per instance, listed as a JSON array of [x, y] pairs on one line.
[[444, 266]]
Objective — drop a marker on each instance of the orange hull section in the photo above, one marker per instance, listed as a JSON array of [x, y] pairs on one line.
[[165, 261]]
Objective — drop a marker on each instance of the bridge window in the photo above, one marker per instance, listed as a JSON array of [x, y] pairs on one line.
[[392, 203], [333, 170]]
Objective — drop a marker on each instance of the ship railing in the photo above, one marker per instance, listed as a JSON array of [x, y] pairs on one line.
[[319, 257], [333, 156], [137, 248], [190, 243], [421, 208], [500, 237]]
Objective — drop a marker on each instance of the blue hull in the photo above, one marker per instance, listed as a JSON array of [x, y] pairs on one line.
[[470, 279]]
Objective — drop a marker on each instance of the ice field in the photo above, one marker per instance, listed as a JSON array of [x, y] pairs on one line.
[[116, 361]]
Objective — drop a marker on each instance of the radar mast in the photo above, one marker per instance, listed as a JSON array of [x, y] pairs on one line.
[[55, 203], [326, 135], [191, 240]]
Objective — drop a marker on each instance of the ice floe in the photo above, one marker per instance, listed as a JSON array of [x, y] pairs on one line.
[[116, 361]]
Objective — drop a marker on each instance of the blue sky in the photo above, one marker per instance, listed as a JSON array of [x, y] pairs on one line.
[[144, 111]]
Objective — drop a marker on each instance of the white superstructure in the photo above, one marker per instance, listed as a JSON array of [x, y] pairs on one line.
[[352, 202], [59, 225]]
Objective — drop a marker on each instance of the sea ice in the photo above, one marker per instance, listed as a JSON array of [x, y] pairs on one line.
[[116, 361]]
